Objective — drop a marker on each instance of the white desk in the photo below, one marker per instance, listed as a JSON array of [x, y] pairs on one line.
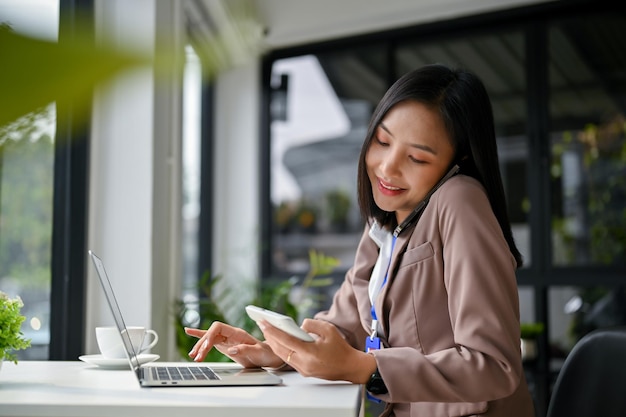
[[72, 389]]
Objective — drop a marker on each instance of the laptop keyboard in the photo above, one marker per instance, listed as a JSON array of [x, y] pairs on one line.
[[182, 373]]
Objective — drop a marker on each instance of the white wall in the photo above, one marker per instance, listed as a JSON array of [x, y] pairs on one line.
[[236, 179], [134, 172]]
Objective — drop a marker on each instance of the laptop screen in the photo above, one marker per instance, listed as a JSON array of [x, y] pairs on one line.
[[115, 309]]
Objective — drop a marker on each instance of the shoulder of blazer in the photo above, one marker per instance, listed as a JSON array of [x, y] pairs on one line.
[[461, 188]]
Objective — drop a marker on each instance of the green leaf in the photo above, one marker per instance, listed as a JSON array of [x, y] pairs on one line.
[[11, 337], [35, 72]]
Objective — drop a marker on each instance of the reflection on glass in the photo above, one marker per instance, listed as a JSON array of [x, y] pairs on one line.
[[590, 165], [588, 142], [26, 186], [527, 304], [576, 311], [320, 109], [26, 189]]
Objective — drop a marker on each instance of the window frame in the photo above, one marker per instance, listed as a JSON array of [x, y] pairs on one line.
[[534, 21], [69, 223]]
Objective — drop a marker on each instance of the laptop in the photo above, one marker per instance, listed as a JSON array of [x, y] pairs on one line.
[[179, 374]]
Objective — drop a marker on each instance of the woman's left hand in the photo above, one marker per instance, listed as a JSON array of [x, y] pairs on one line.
[[328, 357]]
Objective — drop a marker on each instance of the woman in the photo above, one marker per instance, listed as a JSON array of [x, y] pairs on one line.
[[428, 316]]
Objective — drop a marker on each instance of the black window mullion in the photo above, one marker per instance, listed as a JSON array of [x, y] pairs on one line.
[[265, 215], [205, 229], [67, 293], [539, 193]]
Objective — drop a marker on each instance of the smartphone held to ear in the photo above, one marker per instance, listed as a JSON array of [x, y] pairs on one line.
[[281, 321]]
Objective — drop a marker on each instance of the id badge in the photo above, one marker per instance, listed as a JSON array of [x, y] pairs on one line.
[[372, 343]]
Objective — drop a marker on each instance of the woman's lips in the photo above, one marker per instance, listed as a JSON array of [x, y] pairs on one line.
[[388, 189]]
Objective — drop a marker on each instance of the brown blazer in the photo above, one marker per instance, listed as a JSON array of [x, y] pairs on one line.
[[449, 312]]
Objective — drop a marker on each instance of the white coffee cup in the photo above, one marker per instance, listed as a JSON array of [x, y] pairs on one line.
[[110, 341]]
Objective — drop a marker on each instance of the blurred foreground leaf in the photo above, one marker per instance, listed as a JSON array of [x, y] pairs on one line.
[[35, 72]]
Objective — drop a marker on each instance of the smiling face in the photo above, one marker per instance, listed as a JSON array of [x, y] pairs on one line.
[[409, 153]]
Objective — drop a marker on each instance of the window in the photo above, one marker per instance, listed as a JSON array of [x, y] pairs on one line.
[[588, 141], [557, 80], [27, 158], [192, 101], [26, 166], [320, 109], [197, 174]]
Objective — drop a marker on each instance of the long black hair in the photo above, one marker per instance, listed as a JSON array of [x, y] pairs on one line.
[[464, 105]]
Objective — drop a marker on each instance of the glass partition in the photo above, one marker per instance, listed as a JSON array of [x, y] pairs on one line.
[[588, 140], [321, 105], [26, 190]]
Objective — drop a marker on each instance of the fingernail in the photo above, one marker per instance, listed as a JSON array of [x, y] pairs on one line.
[[261, 325], [233, 351]]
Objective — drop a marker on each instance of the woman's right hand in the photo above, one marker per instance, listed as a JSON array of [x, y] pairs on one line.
[[235, 343]]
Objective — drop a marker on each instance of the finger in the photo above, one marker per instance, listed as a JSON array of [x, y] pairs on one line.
[[207, 340], [238, 354], [322, 329], [318, 327], [221, 336], [233, 335], [282, 343], [273, 333], [251, 356], [199, 351], [194, 332]]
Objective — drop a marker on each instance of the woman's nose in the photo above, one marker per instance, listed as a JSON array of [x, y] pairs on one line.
[[390, 165]]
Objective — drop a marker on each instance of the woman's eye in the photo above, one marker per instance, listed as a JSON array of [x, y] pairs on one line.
[[417, 161], [380, 142]]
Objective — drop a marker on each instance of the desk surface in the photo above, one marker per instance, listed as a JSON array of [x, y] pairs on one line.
[[67, 389]]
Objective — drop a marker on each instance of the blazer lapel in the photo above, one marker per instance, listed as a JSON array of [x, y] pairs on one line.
[[400, 247]]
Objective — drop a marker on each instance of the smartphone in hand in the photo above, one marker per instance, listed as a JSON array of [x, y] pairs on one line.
[[281, 321]]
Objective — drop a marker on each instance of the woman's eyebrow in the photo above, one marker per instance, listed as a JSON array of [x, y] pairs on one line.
[[419, 146], [383, 127]]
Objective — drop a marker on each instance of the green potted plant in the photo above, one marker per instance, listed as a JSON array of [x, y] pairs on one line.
[[306, 217], [284, 217], [210, 308], [290, 297], [11, 336], [337, 208], [529, 334]]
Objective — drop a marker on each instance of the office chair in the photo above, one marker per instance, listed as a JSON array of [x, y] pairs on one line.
[[592, 381]]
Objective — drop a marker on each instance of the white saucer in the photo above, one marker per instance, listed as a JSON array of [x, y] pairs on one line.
[[114, 363]]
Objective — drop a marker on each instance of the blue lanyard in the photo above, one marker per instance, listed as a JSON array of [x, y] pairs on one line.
[[413, 216], [373, 309], [373, 341]]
